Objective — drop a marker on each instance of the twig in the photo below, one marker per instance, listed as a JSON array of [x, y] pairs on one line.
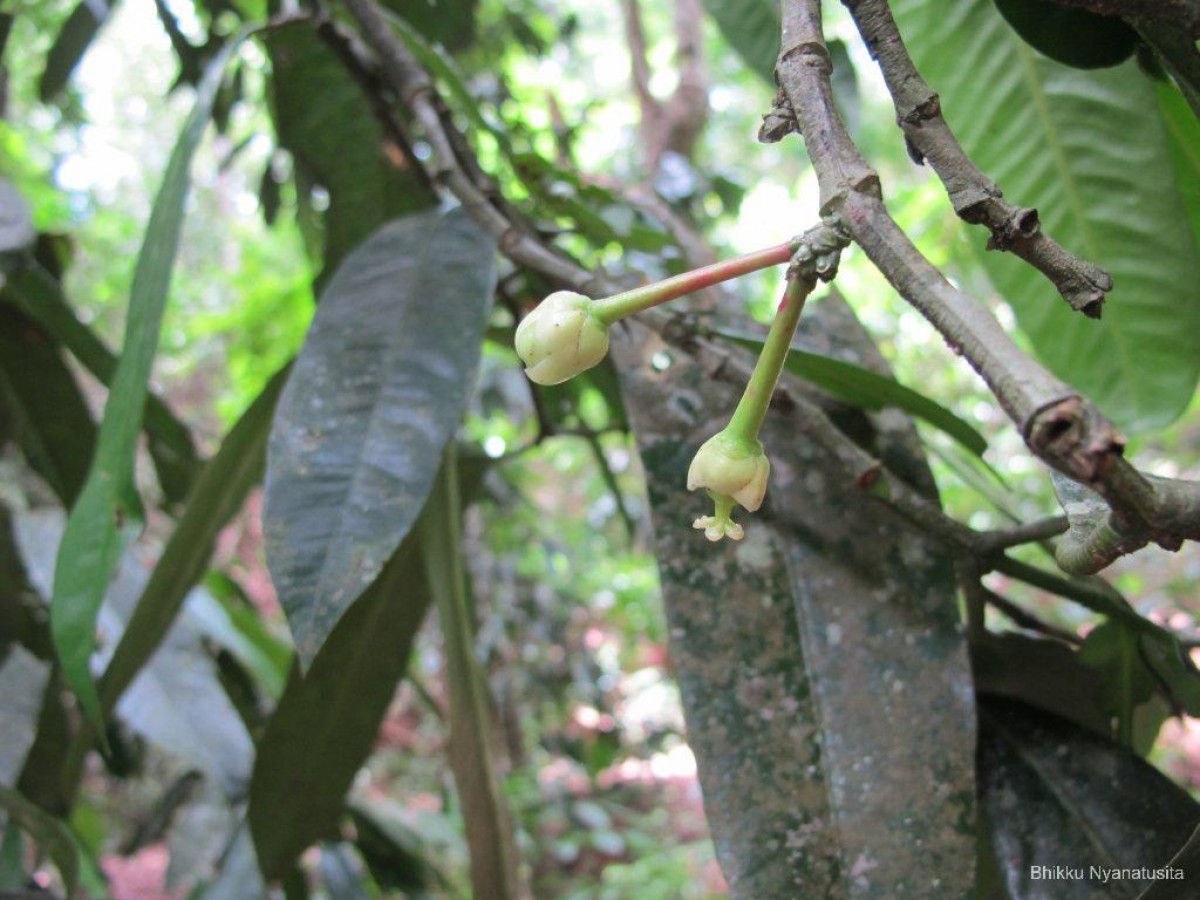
[[1060, 427], [976, 199]]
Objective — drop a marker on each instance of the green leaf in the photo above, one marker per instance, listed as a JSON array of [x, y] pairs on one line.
[[220, 491], [865, 389], [324, 119], [1187, 861], [109, 512], [1073, 37], [450, 23], [51, 835], [326, 721], [487, 819], [817, 657], [393, 852], [50, 419], [36, 293], [1090, 151], [1112, 651], [377, 391], [1055, 794], [751, 27], [74, 38]]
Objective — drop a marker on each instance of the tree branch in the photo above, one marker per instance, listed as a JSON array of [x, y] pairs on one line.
[[975, 198], [1060, 427]]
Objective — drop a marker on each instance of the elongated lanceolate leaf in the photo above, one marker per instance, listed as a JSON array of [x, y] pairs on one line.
[[864, 388], [108, 513], [325, 724], [1056, 794], [486, 818], [1090, 151], [751, 27], [23, 680], [823, 670], [375, 394]]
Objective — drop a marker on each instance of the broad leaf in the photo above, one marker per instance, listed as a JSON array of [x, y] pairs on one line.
[[50, 419], [450, 23], [375, 395], [323, 117], [1058, 795], [864, 388], [72, 42], [823, 670], [1090, 151], [108, 513], [326, 722], [1074, 37], [1186, 861], [751, 28]]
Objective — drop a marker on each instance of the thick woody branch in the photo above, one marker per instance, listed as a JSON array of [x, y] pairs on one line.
[[976, 199]]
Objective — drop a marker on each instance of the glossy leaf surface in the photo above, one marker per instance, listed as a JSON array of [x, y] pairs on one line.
[[374, 396]]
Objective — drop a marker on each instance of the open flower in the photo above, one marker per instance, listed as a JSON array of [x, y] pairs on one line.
[[731, 466], [561, 338], [734, 470]]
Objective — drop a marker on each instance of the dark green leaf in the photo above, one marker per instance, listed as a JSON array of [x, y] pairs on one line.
[[864, 388], [324, 119], [450, 23], [1059, 795], [71, 44], [1171, 887], [1111, 650], [1090, 151], [376, 393], [392, 851], [108, 514], [51, 835], [326, 721], [487, 819], [1074, 37], [219, 494], [50, 419], [817, 658], [751, 27], [39, 295]]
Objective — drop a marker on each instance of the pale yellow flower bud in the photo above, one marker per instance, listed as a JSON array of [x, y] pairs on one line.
[[561, 338], [733, 467]]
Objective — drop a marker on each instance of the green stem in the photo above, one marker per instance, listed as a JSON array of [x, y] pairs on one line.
[[752, 408], [618, 306]]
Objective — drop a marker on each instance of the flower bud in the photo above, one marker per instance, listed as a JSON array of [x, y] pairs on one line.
[[561, 338], [729, 466]]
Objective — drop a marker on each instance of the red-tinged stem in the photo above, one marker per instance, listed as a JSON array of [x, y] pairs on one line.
[[618, 306]]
